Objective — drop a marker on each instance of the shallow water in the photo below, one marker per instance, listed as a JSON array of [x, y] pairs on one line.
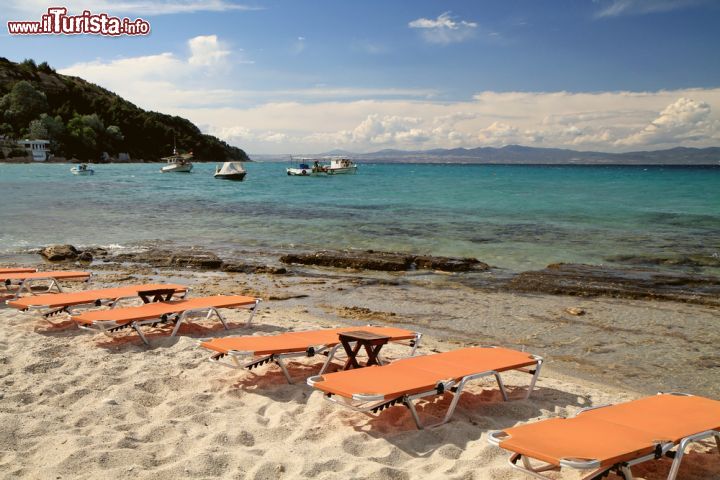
[[515, 217]]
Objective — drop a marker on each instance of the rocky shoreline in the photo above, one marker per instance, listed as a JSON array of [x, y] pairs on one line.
[[641, 283]]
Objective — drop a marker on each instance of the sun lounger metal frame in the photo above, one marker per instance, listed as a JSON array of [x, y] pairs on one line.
[[623, 469], [368, 403], [26, 285], [109, 326], [235, 356]]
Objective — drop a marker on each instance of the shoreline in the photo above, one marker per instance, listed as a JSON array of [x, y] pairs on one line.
[[636, 279]]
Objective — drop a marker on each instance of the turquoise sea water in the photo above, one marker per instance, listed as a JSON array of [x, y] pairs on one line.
[[516, 217]]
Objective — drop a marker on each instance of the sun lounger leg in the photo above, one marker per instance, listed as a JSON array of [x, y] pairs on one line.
[[683, 446], [626, 472], [413, 412], [416, 344], [219, 316], [535, 377], [457, 392], [501, 385], [279, 361], [252, 312], [27, 286], [528, 468], [136, 327], [331, 355]]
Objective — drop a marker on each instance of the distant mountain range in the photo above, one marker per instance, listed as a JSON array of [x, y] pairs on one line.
[[517, 154]]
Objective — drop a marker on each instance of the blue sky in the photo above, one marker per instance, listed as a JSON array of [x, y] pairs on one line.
[[305, 76]]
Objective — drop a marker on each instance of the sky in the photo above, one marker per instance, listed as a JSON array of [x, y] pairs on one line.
[[310, 76]]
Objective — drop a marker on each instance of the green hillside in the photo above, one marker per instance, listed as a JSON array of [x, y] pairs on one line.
[[83, 120]]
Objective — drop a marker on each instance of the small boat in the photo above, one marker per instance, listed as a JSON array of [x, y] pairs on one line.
[[303, 168], [178, 163], [82, 169], [231, 171], [340, 165]]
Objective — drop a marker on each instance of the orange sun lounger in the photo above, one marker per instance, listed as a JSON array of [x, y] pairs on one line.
[[24, 281], [56, 303], [17, 270], [613, 438], [174, 311], [276, 348], [404, 381]]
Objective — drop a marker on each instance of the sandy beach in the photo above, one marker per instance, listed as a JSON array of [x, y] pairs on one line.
[[79, 405]]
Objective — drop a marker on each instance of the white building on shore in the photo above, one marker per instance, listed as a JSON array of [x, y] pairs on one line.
[[38, 149]]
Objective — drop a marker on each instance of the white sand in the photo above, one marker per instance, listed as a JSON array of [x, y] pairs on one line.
[[79, 405]]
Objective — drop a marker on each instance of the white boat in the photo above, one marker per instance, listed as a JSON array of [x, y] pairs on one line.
[[82, 169], [303, 168], [231, 171], [178, 163], [340, 166]]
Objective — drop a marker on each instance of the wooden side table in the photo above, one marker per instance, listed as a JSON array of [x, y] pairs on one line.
[[159, 295], [372, 343]]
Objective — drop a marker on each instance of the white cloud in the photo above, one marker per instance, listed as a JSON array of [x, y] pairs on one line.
[[498, 134], [444, 29], [606, 121], [167, 80], [139, 8], [199, 80], [684, 120], [206, 50], [638, 7], [362, 119]]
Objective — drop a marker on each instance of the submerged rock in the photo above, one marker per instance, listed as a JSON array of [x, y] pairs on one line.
[[449, 264], [384, 261], [85, 257], [167, 258], [696, 260], [58, 253], [237, 267], [635, 283]]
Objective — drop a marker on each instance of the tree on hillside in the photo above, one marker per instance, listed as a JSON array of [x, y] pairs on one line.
[[45, 68], [49, 128], [22, 104], [114, 139], [81, 140], [37, 130], [6, 130]]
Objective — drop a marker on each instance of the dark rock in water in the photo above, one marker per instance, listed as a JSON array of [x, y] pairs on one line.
[[384, 261], [85, 257], [236, 267], [97, 251], [680, 261], [57, 253], [449, 264], [594, 280], [166, 258], [389, 262]]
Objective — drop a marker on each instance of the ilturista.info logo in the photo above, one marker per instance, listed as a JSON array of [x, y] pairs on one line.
[[57, 22]]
